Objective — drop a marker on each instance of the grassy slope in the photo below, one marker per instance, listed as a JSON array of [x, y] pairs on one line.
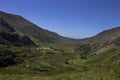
[[60, 65], [100, 73]]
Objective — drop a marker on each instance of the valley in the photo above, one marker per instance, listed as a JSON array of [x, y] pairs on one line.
[[28, 52]]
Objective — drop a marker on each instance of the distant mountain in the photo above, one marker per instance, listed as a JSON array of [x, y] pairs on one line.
[[25, 27]]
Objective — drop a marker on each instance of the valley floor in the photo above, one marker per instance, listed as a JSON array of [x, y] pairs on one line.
[[110, 72], [37, 64]]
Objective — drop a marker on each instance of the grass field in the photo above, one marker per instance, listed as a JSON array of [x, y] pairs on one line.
[[59, 64], [90, 73]]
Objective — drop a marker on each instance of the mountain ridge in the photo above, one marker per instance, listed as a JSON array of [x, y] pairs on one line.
[[35, 33], [31, 30]]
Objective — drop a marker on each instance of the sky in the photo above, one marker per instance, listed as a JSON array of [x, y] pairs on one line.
[[69, 18]]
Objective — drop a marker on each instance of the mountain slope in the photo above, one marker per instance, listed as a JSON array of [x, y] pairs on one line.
[[9, 36], [107, 37], [103, 47], [31, 30]]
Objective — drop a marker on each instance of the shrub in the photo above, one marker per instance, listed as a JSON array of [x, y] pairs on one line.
[[7, 58]]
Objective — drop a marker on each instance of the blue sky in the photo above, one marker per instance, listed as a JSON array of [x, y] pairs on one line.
[[70, 18]]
